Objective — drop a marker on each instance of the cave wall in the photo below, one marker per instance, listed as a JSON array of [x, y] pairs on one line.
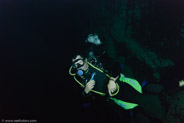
[[145, 36]]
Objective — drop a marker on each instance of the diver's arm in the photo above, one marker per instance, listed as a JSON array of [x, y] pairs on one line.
[[112, 85], [86, 92], [89, 86]]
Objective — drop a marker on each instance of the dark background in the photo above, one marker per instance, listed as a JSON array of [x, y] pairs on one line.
[[35, 53], [37, 41]]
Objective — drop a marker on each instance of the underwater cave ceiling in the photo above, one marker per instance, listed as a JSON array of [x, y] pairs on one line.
[[146, 36]]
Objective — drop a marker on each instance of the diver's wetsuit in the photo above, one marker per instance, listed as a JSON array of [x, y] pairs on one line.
[[125, 91], [101, 80]]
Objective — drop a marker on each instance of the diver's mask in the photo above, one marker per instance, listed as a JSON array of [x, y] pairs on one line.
[[77, 66]]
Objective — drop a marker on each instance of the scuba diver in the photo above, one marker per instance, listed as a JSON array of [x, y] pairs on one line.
[[98, 74], [91, 72]]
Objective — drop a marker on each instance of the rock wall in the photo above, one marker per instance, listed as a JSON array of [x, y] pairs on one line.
[[146, 36]]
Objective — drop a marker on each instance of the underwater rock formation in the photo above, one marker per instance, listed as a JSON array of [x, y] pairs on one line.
[[143, 30]]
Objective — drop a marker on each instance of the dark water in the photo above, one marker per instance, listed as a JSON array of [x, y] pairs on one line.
[[38, 39]]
